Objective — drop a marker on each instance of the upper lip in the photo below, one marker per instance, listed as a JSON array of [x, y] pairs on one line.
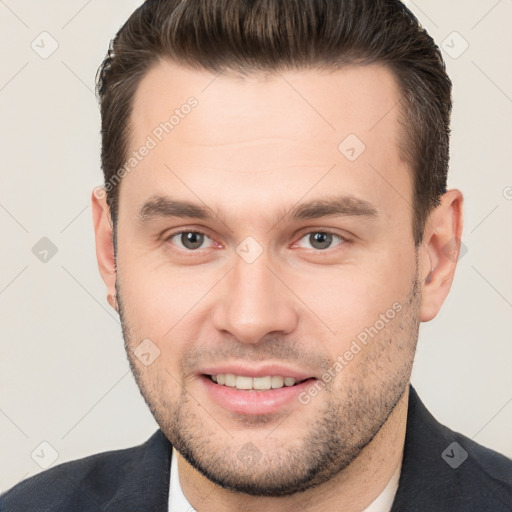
[[260, 371]]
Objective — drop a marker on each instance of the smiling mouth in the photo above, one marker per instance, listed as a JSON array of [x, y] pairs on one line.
[[246, 383]]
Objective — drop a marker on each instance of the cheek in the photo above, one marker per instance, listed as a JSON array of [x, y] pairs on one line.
[[349, 299], [171, 307]]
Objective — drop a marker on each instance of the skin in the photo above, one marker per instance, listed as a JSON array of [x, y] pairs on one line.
[[252, 150]]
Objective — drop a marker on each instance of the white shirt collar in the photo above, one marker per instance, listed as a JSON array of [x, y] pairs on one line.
[[178, 502]]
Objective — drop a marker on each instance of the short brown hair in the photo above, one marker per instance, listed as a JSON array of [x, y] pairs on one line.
[[251, 36]]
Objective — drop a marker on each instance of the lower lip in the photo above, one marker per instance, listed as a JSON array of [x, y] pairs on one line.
[[253, 401]]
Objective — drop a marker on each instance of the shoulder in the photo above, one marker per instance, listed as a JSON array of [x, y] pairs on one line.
[[445, 470], [483, 476], [94, 482]]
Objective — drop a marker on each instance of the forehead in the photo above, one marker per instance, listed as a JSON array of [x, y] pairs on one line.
[[326, 102], [253, 134]]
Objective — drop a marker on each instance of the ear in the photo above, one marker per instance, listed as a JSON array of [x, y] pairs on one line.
[[439, 253], [103, 232]]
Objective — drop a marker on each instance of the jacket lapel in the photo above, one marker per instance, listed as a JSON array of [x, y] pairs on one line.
[[147, 475]]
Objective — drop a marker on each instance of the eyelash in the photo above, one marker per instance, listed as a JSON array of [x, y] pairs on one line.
[[344, 240]]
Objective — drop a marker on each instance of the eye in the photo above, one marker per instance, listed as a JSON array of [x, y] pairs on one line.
[[321, 240], [188, 240]]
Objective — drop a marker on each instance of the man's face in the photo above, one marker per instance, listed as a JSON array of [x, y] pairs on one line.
[[263, 286]]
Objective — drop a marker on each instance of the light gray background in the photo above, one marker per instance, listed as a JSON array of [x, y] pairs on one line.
[[64, 375]]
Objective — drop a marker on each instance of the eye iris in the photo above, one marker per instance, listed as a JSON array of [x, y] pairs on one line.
[[192, 240], [322, 240]]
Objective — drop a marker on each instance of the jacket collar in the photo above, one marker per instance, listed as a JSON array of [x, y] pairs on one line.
[[147, 486]]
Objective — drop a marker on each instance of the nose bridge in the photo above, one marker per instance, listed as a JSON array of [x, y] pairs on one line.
[[253, 301]]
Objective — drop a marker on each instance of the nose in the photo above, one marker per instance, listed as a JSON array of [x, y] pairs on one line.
[[254, 302]]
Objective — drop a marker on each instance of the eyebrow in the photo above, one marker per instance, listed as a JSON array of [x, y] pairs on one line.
[[158, 207], [347, 206]]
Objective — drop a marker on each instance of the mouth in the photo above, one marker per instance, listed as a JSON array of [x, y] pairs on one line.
[[248, 383], [266, 391]]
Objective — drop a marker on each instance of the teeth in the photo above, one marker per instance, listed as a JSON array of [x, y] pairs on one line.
[[230, 380], [243, 382], [248, 383], [277, 382], [262, 382]]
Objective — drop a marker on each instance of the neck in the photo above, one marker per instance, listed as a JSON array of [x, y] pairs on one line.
[[351, 490]]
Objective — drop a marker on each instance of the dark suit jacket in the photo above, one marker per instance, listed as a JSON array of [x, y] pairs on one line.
[[435, 476]]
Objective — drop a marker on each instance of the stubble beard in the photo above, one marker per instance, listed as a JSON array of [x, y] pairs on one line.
[[347, 418]]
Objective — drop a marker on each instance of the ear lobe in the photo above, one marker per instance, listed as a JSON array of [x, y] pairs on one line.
[[440, 252], [103, 232]]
